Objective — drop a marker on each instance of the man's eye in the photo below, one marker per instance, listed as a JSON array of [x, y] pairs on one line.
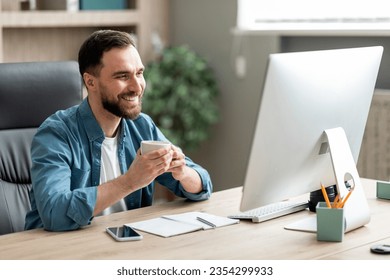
[[123, 76]]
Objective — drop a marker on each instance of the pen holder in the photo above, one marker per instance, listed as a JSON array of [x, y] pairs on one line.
[[383, 190], [330, 223]]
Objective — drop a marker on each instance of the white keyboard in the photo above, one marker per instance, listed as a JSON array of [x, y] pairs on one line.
[[271, 211]]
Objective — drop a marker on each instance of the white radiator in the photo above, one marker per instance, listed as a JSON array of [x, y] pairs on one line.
[[374, 158]]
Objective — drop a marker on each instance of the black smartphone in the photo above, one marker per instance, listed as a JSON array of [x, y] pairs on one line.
[[123, 233]]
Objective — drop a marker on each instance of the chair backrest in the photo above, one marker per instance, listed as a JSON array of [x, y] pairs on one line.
[[29, 93]]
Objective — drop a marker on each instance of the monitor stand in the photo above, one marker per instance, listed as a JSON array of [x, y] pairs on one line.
[[356, 210]]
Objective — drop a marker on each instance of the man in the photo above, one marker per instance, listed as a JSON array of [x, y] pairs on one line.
[[86, 160]]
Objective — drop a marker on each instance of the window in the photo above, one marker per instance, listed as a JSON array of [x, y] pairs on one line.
[[255, 14]]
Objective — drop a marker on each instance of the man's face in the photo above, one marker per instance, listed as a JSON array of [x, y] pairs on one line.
[[121, 83]]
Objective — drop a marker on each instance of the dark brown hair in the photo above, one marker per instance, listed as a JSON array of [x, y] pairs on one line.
[[91, 51]]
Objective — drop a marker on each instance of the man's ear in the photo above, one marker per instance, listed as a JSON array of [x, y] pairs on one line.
[[88, 80]]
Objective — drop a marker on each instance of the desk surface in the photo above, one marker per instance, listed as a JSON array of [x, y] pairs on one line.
[[246, 240]]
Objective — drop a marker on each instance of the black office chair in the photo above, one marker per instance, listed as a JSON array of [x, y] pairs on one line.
[[29, 93]]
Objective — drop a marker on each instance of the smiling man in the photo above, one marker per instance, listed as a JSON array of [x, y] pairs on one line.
[[86, 160]]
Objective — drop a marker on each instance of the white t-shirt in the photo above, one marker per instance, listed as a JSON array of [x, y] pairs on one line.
[[110, 170]]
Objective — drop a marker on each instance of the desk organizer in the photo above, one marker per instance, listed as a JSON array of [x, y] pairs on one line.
[[383, 190], [330, 223]]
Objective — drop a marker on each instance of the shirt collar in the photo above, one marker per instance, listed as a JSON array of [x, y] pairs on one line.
[[92, 127], [89, 121]]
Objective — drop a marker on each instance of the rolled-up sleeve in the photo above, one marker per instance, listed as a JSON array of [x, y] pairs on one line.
[[177, 188], [207, 187]]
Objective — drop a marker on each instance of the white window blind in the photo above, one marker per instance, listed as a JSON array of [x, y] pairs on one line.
[[254, 13]]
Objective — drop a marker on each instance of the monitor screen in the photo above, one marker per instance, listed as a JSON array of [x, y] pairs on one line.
[[304, 94]]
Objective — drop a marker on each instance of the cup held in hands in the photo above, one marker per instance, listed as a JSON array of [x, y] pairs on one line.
[[148, 146]]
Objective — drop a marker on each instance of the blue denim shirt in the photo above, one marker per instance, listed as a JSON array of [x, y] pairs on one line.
[[66, 159]]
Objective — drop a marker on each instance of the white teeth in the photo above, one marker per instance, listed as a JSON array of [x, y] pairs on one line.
[[130, 98]]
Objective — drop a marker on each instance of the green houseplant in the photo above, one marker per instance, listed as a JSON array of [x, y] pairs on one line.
[[180, 96]]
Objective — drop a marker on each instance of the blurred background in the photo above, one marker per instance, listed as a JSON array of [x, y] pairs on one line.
[[235, 56]]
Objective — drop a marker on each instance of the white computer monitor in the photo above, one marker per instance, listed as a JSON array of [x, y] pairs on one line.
[[304, 94]]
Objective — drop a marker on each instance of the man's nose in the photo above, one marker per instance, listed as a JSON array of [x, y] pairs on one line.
[[135, 84]]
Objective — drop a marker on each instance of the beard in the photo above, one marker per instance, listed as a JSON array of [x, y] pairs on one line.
[[115, 107]]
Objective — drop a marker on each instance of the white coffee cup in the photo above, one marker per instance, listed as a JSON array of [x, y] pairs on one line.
[[150, 145]]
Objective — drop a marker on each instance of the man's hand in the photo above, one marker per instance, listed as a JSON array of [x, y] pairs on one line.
[[187, 176], [178, 163], [146, 167]]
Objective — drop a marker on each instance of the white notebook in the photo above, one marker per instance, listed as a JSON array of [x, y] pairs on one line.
[[171, 225]]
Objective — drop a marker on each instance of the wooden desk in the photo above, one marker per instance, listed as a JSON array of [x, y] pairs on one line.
[[246, 240]]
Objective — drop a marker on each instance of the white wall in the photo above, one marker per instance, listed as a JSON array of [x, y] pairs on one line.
[[206, 25]]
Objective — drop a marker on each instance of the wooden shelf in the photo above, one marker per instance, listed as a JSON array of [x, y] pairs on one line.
[[57, 35], [49, 19]]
